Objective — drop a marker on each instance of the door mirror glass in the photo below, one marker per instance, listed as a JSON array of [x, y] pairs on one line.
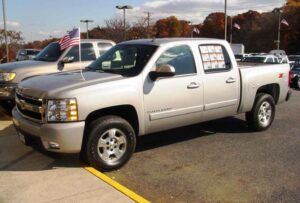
[[161, 71], [68, 59]]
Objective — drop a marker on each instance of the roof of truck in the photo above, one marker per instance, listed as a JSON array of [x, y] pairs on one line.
[[96, 40], [160, 41]]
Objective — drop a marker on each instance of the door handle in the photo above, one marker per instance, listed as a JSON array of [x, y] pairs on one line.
[[193, 85], [230, 80]]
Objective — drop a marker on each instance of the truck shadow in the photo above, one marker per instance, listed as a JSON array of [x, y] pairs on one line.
[[17, 157], [230, 125]]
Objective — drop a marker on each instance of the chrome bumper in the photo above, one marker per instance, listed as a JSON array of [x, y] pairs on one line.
[[55, 137]]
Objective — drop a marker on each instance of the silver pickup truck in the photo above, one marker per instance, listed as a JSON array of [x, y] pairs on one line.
[[51, 59], [141, 87]]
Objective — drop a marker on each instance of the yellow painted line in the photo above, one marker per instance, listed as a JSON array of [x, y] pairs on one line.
[[132, 195]]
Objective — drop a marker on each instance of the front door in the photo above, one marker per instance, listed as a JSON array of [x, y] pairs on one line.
[[175, 101]]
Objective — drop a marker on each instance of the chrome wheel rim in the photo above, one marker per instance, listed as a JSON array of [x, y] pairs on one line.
[[265, 114], [112, 145]]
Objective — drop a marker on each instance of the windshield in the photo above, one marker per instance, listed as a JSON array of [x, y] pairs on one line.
[[127, 60], [254, 59], [51, 52], [296, 67]]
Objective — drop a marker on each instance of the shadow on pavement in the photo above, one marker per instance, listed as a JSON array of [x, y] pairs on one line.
[[225, 125], [17, 157]]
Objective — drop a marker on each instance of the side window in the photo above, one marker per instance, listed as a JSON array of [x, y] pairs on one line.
[[87, 52], [181, 58], [215, 58], [103, 47]]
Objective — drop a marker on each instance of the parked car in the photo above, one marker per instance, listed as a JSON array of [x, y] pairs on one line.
[[294, 59], [50, 60], [269, 59], [140, 87], [295, 75], [26, 54], [240, 57]]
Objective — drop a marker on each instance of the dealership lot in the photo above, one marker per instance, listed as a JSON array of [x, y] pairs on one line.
[[212, 162]]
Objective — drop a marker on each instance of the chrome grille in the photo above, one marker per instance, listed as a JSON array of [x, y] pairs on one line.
[[30, 108]]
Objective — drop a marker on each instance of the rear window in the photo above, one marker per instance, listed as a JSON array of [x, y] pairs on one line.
[[103, 47]]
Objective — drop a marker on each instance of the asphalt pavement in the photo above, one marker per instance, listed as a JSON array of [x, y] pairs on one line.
[[217, 161]]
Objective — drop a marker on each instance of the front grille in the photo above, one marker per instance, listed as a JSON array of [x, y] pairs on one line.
[[30, 107]]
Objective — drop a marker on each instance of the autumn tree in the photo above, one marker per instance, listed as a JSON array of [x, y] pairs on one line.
[[172, 27]]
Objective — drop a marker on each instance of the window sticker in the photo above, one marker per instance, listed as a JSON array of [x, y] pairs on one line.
[[212, 57]]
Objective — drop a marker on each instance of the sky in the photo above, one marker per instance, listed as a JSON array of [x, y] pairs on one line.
[[40, 19]]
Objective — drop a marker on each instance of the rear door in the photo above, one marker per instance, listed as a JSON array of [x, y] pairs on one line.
[[221, 82]]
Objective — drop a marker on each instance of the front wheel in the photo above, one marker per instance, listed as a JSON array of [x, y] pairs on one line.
[[263, 112], [110, 143]]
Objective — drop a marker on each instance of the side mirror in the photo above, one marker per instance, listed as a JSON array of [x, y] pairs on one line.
[[68, 59], [162, 71]]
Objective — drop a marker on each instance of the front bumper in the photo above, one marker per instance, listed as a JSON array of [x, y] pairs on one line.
[[55, 137], [7, 91]]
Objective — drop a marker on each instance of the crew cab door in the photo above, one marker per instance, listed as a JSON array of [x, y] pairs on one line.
[[173, 101], [88, 55], [221, 81]]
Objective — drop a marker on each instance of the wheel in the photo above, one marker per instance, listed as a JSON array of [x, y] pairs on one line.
[[297, 82], [263, 112], [110, 143]]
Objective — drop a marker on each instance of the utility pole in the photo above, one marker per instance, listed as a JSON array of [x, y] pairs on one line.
[[279, 29], [225, 24], [124, 16], [278, 11], [148, 23], [87, 26], [5, 30]]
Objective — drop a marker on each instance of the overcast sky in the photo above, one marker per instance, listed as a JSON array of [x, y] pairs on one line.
[[39, 19]]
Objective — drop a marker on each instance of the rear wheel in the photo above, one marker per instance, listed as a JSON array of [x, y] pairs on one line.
[[263, 112], [110, 143]]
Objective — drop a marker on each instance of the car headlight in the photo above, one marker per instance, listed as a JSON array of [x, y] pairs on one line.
[[62, 110], [7, 76]]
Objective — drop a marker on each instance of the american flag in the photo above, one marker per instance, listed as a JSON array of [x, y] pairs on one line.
[[283, 21], [70, 39], [237, 26]]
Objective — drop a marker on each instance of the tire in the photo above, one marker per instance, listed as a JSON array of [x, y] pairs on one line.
[[262, 115], [297, 82], [111, 141]]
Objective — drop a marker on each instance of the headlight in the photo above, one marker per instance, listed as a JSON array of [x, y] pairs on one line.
[[62, 110], [7, 76]]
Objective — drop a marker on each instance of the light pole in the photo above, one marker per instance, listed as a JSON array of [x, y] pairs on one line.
[[87, 26], [278, 10], [124, 16], [225, 24], [5, 31]]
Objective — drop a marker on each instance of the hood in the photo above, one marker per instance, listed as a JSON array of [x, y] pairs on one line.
[[14, 66], [41, 86]]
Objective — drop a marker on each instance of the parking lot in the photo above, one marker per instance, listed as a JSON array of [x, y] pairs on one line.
[[218, 161]]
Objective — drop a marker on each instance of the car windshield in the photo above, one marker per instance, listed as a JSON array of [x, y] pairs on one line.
[[296, 59], [51, 52], [296, 67], [254, 59], [126, 60]]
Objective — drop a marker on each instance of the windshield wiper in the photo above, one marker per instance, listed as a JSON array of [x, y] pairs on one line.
[[42, 59]]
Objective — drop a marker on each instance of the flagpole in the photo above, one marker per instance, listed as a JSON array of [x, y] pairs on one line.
[[79, 46]]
